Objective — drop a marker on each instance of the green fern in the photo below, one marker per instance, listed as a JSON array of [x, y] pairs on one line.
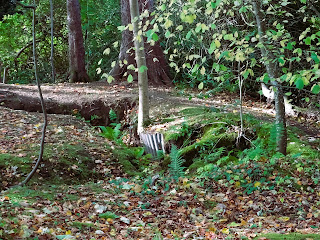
[[112, 115], [111, 133], [175, 167]]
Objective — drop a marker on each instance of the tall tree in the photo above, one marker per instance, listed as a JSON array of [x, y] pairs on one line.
[[143, 114], [158, 69], [273, 72], [77, 68], [52, 45]]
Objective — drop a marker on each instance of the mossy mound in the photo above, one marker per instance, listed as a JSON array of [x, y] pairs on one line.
[[61, 164], [209, 142], [68, 163], [204, 131]]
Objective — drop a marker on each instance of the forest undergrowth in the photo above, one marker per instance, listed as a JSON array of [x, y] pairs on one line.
[[209, 185]]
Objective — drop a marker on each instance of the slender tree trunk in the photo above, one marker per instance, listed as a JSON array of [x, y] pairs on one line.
[[52, 44], [4, 80], [77, 68], [158, 69], [272, 70], [143, 114]]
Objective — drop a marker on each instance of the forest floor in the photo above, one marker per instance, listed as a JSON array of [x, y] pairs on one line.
[[60, 203]]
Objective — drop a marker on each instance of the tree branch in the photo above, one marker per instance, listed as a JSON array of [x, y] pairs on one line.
[[27, 179], [25, 6], [21, 51]]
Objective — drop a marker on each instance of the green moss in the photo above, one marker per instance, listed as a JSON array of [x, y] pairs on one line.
[[210, 139], [67, 163], [20, 193], [9, 160], [61, 164], [83, 225], [290, 236]]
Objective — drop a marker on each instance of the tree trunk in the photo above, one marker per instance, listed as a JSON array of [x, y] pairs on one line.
[[272, 70], [52, 45], [77, 68], [4, 80], [158, 69], [143, 114]]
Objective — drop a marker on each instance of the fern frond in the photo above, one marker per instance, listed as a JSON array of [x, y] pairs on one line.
[[112, 115], [175, 167]]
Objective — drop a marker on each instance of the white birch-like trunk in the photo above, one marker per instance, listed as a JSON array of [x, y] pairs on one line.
[[143, 114]]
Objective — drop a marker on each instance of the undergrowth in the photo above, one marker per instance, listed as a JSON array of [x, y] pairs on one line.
[[208, 142]]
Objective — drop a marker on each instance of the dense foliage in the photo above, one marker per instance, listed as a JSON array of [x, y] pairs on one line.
[[100, 20]]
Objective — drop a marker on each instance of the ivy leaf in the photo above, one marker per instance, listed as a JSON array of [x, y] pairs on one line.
[[142, 69], [225, 53], [110, 79], [180, 28], [212, 47], [203, 71], [299, 83], [315, 89], [130, 78], [217, 42], [308, 41], [315, 58], [188, 35], [155, 37], [189, 18], [121, 28], [281, 61], [106, 51]]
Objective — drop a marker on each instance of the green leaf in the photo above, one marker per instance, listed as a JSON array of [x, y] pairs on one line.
[[155, 37], [308, 41], [212, 47], [315, 89], [110, 79], [121, 28], [130, 78], [315, 58], [225, 53], [188, 18], [142, 69], [245, 74], [299, 83], [200, 86], [167, 35], [281, 61], [195, 68], [188, 35], [290, 45]]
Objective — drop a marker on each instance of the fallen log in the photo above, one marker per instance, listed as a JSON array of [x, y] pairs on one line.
[[81, 100]]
